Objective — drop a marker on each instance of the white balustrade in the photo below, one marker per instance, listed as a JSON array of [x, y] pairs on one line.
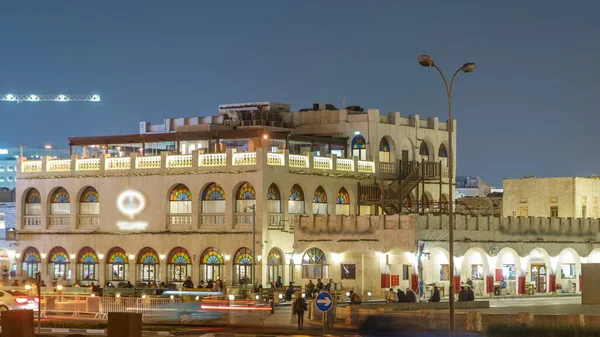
[[298, 161], [275, 221], [244, 158], [212, 220], [120, 163], [31, 166], [88, 221], [276, 159], [90, 164], [366, 166], [212, 159], [60, 165], [149, 162], [180, 220], [179, 161], [322, 163], [59, 221], [32, 222], [344, 164]]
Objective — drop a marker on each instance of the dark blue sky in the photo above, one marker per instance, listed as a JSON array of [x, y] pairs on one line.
[[530, 108]]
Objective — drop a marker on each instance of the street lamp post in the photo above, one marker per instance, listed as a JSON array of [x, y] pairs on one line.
[[427, 61], [255, 256]]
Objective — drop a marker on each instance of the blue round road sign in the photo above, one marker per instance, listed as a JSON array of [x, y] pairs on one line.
[[324, 302]]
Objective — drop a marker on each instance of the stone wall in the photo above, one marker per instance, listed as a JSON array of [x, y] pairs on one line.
[[479, 206]]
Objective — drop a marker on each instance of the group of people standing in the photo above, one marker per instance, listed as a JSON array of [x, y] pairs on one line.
[[313, 289], [400, 296]]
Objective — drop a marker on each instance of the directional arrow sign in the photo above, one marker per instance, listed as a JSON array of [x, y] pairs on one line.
[[324, 302]]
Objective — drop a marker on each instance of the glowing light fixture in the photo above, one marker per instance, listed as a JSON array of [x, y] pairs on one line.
[[100, 256], [162, 256], [59, 287], [72, 256], [131, 256], [43, 255], [231, 297]]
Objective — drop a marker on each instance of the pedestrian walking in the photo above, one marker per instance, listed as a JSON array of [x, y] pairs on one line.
[[299, 308]]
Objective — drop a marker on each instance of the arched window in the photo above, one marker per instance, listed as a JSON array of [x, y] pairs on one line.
[[245, 196], [274, 265], [443, 203], [148, 265], [342, 202], [87, 266], [384, 151], [31, 262], [33, 202], [296, 200], [424, 151], [179, 265], [58, 263], [320, 201], [273, 199], [242, 265], [89, 202], [424, 204], [314, 264], [211, 265], [213, 205], [359, 147], [180, 201], [443, 154], [60, 202], [117, 265]]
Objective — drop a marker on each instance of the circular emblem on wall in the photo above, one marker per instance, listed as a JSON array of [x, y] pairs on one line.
[[130, 203]]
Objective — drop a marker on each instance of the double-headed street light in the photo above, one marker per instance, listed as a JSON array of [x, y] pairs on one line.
[[427, 61]]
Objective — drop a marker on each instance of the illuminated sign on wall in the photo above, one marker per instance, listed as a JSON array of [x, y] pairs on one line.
[[131, 203]]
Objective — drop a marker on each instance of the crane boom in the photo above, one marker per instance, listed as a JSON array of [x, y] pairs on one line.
[[49, 98]]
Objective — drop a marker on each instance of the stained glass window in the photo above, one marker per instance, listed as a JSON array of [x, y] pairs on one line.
[[117, 256], [246, 192], [147, 256], [342, 197], [58, 255], [181, 193], [384, 146], [443, 152], [212, 256], [296, 193], [213, 192], [314, 256], [358, 143], [31, 255], [274, 258], [273, 193], [89, 195], [320, 196], [243, 256], [33, 197], [87, 255], [424, 150], [363, 197], [60, 196], [179, 255]]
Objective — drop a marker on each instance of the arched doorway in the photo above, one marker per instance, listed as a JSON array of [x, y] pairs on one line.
[[31, 262], [359, 147], [314, 264], [148, 266], [274, 265], [58, 263], [87, 266], [179, 265], [117, 265], [242, 266], [384, 151], [211, 265]]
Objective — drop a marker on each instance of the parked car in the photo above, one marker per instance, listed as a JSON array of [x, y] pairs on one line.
[[17, 300]]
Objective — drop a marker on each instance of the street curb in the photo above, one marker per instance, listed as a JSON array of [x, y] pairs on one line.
[[96, 331]]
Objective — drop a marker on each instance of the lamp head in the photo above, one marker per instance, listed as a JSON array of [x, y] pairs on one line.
[[468, 67], [425, 60]]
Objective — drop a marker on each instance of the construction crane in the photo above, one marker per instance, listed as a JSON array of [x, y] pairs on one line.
[[49, 98]]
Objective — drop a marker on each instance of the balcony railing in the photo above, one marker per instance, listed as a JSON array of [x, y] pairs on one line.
[[32, 222], [59, 221], [244, 158], [91, 164], [150, 162], [275, 159], [61, 165], [275, 221], [88, 221], [179, 221], [179, 161], [212, 159], [212, 220], [387, 168], [31, 166], [323, 163], [118, 163], [243, 220], [298, 161], [344, 165]]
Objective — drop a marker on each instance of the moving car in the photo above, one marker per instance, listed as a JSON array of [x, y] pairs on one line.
[[17, 300]]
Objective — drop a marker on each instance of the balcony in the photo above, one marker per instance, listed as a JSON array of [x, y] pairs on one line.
[[88, 221], [212, 220], [243, 220], [179, 221], [59, 221], [32, 222], [275, 221]]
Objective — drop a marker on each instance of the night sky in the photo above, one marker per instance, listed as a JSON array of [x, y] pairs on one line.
[[530, 108]]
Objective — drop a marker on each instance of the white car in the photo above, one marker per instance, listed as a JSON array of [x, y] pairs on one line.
[[17, 300]]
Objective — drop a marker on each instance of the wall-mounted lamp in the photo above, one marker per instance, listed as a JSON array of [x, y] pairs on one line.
[[72, 256], [162, 257], [131, 256], [227, 257], [18, 255], [259, 258], [369, 295], [100, 256], [43, 255]]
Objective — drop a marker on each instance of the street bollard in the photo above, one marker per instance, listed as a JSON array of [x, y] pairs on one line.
[[124, 324], [18, 323]]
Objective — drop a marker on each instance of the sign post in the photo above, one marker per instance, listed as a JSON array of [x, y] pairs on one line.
[[324, 303], [38, 281]]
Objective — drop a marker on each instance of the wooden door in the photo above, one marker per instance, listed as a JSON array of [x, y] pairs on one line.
[[538, 277]]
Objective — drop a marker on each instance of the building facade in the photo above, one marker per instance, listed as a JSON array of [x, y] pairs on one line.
[[467, 186], [565, 197], [8, 161]]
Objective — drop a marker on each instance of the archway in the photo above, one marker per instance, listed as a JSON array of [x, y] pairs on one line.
[[359, 147]]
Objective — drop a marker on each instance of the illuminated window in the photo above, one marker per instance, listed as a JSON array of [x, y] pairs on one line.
[[444, 272], [211, 264], [213, 199], [320, 201], [89, 202], [384, 151], [314, 264], [180, 201], [148, 265], [567, 271], [296, 200], [87, 266], [242, 265], [275, 265], [244, 198], [31, 262], [60, 202], [58, 262], [179, 265], [342, 202], [117, 265], [33, 201], [477, 272], [509, 272], [213, 192], [359, 147], [273, 199]]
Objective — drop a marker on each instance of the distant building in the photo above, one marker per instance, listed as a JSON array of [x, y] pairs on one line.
[[574, 197], [467, 186], [8, 161], [7, 194]]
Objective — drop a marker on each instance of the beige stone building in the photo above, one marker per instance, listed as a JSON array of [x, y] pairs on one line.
[[565, 197], [176, 199]]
